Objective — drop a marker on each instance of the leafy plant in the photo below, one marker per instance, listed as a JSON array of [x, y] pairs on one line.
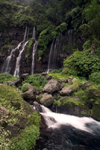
[[6, 77], [95, 77], [38, 81]]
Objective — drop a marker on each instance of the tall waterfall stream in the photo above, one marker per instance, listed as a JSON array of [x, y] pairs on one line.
[[67, 132]]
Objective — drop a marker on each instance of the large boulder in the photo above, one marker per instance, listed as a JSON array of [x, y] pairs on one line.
[[46, 99], [67, 90], [30, 94], [52, 86]]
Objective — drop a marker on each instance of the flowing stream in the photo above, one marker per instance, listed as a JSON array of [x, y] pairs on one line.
[[33, 57], [67, 132]]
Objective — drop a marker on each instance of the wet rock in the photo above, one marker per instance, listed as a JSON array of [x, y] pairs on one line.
[[52, 86], [23, 76], [64, 80], [13, 83], [46, 99], [31, 93]]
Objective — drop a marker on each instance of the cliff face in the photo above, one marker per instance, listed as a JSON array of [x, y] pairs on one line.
[[62, 47]]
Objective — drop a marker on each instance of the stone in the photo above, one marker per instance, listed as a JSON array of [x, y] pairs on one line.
[[23, 76], [44, 73], [46, 99], [64, 80], [86, 84], [48, 77], [52, 86], [62, 85], [66, 90], [71, 80], [31, 93], [13, 83]]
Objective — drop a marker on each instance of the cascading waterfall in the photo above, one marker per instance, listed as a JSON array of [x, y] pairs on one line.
[[17, 67], [54, 50], [33, 56], [33, 33], [6, 68], [69, 132], [70, 41], [25, 35], [50, 55]]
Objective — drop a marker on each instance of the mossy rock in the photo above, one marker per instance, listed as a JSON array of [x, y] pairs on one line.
[[17, 118]]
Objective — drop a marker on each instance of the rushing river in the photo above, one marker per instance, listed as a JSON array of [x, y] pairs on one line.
[[66, 132]]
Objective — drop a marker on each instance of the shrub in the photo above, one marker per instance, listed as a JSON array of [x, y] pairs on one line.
[[56, 71], [95, 77], [38, 81], [30, 42], [6, 77], [24, 87], [82, 63]]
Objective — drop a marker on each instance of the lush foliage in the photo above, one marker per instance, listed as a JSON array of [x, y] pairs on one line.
[[20, 119], [82, 63], [24, 87], [6, 77], [38, 81], [95, 77]]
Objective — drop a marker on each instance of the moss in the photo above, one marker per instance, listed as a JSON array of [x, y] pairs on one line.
[[29, 46], [6, 77], [19, 118]]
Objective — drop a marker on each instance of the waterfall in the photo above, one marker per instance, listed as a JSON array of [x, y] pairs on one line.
[[50, 55], [67, 132], [17, 67], [6, 68], [53, 55], [62, 119], [7, 65], [33, 36], [25, 35], [33, 56], [70, 41]]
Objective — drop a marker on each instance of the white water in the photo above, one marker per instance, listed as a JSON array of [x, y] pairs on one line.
[[6, 66], [55, 120], [33, 57], [25, 35], [50, 55], [33, 33], [17, 67], [53, 55]]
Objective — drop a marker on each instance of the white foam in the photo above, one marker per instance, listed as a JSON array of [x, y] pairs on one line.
[[55, 120]]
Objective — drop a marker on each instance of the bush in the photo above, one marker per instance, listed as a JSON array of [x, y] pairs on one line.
[[6, 77], [56, 71], [95, 77], [82, 64], [38, 81], [24, 87]]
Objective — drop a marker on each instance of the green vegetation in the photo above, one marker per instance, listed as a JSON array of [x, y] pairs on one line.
[[38, 81], [24, 87], [95, 77], [30, 43], [6, 77], [18, 117], [82, 63]]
